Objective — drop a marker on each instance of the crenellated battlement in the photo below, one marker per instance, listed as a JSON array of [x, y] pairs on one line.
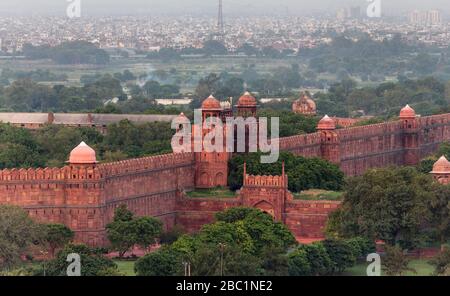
[[146, 163], [369, 130], [50, 174], [300, 140], [265, 181]]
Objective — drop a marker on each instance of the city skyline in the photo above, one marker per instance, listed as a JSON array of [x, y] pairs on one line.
[[199, 7]]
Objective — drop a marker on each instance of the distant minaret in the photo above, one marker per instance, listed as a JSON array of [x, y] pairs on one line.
[[220, 25]]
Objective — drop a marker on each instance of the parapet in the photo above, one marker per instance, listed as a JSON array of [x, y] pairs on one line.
[[264, 181], [146, 163]]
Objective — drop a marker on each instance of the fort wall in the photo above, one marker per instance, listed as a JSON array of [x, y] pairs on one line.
[[377, 145], [84, 197]]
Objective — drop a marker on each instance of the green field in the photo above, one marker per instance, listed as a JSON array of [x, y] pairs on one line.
[[188, 71], [317, 194], [126, 267], [214, 193], [422, 267]]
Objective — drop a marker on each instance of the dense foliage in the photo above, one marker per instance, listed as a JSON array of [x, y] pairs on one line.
[[57, 236], [441, 263], [328, 257], [18, 232], [397, 205], [395, 262], [76, 52], [126, 230], [93, 263], [291, 124], [303, 173], [427, 96], [51, 145], [237, 244]]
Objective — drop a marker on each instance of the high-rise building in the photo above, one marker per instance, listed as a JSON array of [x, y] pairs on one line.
[[415, 17], [430, 17], [434, 17]]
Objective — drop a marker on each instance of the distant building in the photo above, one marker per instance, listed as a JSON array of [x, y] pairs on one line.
[[98, 121], [434, 17], [441, 171], [305, 105], [430, 17]]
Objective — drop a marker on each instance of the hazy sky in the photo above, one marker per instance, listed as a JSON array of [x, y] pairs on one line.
[[204, 7]]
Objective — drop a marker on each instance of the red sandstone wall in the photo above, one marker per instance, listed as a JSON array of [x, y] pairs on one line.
[[308, 145], [84, 198], [376, 145], [434, 130], [68, 195], [148, 186], [193, 213], [366, 147], [307, 219]]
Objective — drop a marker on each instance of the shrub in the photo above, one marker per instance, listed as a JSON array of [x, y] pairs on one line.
[[441, 263], [361, 247], [341, 253], [92, 263], [298, 263], [164, 262], [318, 258]]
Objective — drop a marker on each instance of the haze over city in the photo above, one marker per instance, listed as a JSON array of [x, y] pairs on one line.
[[202, 7], [320, 141]]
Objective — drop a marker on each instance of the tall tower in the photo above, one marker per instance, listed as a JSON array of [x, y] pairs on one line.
[[220, 25], [211, 167], [411, 139], [329, 140]]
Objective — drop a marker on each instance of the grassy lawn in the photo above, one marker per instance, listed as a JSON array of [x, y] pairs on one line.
[[317, 194], [126, 267], [215, 193], [422, 267]]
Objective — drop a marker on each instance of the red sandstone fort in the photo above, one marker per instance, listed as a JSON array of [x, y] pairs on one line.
[[84, 194]]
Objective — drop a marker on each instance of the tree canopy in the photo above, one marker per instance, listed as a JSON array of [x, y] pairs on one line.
[[304, 173]]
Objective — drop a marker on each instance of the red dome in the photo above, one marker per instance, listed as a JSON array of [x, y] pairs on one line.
[[407, 112], [304, 105], [441, 166], [247, 100], [211, 103], [82, 154], [326, 123]]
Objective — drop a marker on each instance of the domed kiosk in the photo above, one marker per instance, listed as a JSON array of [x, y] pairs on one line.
[[82, 154]]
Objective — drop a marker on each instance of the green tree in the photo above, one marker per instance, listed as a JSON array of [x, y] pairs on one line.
[[304, 173], [17, 233], [164, 262], [92, 263], [148, 229], [387, 204], [121, 232], [318, 258], [57, 236], [439, 217], [341, 253], [395, 262], [126, 230], [298, 263], [441, 263]]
